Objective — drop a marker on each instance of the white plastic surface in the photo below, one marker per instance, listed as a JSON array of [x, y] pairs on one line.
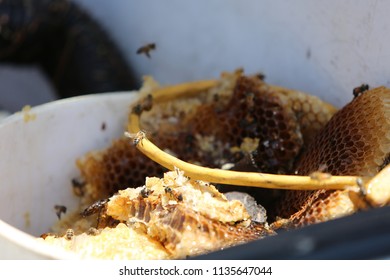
[[325, 48], [37, 162]]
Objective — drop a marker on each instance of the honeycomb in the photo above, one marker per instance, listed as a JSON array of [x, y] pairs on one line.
[[245, 124], [172, 217], [343, 147], [212, 130], [256, 127]]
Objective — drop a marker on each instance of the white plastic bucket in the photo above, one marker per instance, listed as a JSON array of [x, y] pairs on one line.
[[38, 150]]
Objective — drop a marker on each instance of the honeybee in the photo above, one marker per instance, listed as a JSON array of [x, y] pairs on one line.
[[60, 209], [99, 208], [137, 137], [360, 89], [168, 190], [145, 192], [173, 193], [95, 207], [146, 49], [260, 76], [69, 234]]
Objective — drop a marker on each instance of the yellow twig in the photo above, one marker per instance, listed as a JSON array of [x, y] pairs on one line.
[[213, 175]]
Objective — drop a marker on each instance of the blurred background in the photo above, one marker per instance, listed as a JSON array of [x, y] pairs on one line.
[[325, 48]]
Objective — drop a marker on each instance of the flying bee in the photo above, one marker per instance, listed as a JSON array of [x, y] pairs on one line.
[[60, 209], [357, 91], [146, 49], [137, 137]]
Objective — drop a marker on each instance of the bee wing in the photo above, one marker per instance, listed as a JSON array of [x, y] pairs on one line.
[[130, 135]]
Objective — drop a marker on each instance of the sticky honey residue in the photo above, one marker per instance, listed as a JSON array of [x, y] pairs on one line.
[[27, 115]]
